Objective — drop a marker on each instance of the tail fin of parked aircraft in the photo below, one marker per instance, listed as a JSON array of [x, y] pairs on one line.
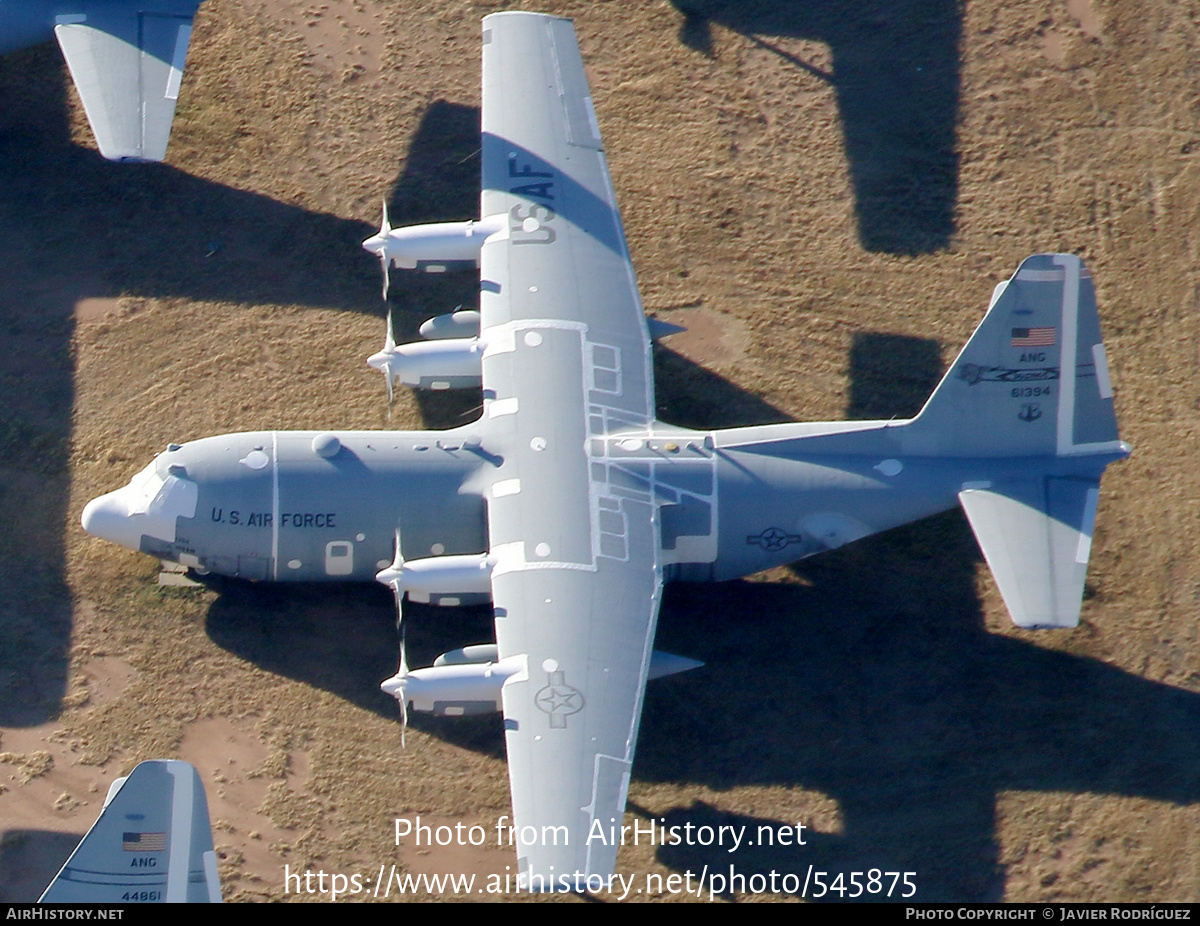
[[151, 844], [1033, 379], [1032, 382]]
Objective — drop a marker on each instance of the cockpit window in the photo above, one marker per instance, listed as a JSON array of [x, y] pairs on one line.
[[144, 488], [161, 495]]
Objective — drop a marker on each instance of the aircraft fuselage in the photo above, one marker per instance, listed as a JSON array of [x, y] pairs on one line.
[[326, 506], [265, 505]]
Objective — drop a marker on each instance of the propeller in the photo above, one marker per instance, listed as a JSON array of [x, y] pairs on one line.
[[383, 361], [378, 244], [396, 685]]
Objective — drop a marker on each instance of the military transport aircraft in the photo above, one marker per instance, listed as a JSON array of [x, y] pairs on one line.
[[152, 843], [567, 504], [126, 59]]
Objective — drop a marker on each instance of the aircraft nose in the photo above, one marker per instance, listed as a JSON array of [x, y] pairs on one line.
[[107, 517]]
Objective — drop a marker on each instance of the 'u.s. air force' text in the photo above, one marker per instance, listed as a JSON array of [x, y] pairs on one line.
[[286, 518]]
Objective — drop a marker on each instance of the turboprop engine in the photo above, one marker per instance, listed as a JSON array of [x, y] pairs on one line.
[[470, 680], [449, 579], [434, 248], [446, 363], [446, 578], [456, 689]]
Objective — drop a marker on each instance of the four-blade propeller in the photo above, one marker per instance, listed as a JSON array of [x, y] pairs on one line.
[[391, 576], [377, 244], [385, 360]]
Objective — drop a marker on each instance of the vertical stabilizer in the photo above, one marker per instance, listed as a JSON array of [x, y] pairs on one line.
[[1033, 379], [151, 844], [1032, 383]]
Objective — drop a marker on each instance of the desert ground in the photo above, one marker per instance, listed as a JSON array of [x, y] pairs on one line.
[[824, 195]]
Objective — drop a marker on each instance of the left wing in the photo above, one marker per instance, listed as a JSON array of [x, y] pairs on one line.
[[126, 60], [151, 844], [567, 384]]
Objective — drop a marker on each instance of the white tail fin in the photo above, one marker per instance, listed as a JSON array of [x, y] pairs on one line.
[[151, 844], [1032, 382], [1033, 379]]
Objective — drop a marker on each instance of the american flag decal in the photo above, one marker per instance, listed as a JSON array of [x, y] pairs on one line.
[[1033, 337], [144, 842]]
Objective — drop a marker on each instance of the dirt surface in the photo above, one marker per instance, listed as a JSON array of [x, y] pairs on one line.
[[826, 199]]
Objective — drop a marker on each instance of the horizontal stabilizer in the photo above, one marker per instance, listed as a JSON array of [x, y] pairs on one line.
[[151, 844], [127, 63], [1036, 535]]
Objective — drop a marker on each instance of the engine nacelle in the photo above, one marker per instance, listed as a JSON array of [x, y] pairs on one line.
[[447, 578], [470, 680], [436, 247], [455, 690], [460, 324], [452, 363]]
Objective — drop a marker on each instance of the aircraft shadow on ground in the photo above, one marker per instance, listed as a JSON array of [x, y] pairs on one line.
[[342, 639], [690, 396], [896, 76], [439, 183], [153, 230], [36, 370], [877, 685], [29, 860], [74, 226]]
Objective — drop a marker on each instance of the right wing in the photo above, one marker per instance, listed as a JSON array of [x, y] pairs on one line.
[[126, 60], [566, 384], [151, 844]]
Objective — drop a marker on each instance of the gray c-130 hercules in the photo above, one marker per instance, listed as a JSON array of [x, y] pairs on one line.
[[568, 504], [126, 59]]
